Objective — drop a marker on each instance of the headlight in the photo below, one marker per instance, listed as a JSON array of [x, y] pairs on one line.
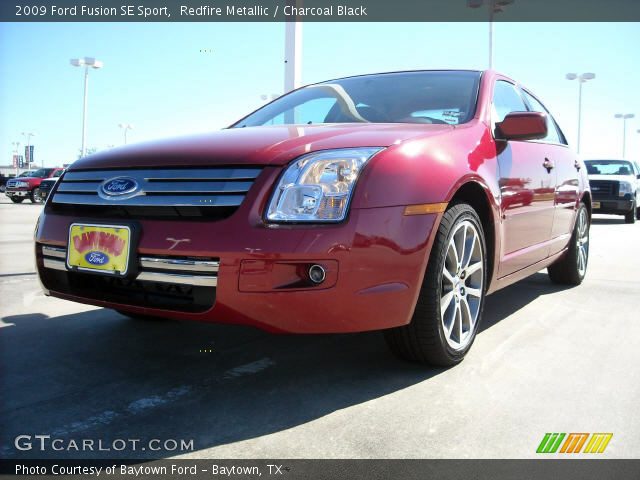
[[625, 188], [318, 187], [22, 185]]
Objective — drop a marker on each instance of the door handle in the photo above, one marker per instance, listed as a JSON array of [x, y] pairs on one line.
[[547, 164], [577, 165]]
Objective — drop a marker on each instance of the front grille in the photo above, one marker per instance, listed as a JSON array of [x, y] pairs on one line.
[[12, 183], [213, 193], [604, 188], [46, 186], [183, 284]]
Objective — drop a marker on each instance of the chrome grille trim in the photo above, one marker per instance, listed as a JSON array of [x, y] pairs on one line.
[[196, 280], [165, 187], [167, 174], [173, 187], [57, 252], [152, 200], [176, 270], [54, 264], [179, 264]]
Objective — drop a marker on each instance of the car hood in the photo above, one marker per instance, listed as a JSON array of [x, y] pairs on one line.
[[615, 178], [271, 145], [27, 179]]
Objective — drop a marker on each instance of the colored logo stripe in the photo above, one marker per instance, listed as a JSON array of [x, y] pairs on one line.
[[550, 443], [574, 442], [598, 442]]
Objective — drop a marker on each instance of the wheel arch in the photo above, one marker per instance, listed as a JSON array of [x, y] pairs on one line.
[[477, 196]]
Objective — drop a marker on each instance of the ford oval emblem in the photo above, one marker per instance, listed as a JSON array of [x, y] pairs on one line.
[[118, 186], [96, 258]]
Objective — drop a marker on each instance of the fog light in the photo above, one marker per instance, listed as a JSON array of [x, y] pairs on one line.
[[317, 274]]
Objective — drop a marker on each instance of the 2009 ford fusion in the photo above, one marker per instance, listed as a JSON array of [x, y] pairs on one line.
[[392, 202]]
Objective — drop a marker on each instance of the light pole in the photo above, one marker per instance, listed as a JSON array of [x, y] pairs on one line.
[[85, 62], [624, 117], [28, 136], [16, 145], [292, 54], [495, 7], [582, 78], [125, 127]]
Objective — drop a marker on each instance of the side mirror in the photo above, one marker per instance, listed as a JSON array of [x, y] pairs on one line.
[[522, 126]]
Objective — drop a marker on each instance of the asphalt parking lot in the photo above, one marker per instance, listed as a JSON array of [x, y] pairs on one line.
[[547, 359]]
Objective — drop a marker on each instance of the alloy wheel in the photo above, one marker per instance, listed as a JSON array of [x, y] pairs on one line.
[[582, 240], [462, 285]]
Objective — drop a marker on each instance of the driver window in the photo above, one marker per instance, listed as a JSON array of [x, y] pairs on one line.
[[552, 131], [506, 99]]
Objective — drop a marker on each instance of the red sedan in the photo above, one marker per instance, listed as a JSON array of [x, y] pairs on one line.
[[393, 202]]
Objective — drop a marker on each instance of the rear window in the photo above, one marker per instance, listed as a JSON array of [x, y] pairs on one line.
[[430, 97]]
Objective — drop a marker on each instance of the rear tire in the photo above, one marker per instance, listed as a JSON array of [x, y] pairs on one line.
[[451, 299], [17, 199], [572, 267]]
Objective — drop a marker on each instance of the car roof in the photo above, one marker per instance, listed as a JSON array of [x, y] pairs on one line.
[[373, 74]]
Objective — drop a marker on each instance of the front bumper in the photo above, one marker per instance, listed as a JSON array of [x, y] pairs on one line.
[[17, 193], [612, 206], [375, 262]]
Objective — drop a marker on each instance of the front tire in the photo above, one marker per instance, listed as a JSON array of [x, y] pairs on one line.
[[450, 303], [631, 216], [17, 199], [572, 267], [34, 196]]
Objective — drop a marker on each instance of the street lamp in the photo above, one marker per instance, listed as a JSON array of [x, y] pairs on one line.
[[495, 7], [85, 62], [624, 117], [125, 127], [582, 78], [28, 136]]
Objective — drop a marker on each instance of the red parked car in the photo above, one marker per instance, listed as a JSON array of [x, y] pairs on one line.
[[19, 188], [375, 202]]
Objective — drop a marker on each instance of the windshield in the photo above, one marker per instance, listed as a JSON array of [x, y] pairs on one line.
[[609, 167], [41, 173], [440, 97]]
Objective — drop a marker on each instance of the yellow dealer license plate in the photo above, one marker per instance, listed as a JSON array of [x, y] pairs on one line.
[[99, 248], [596, 204]]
